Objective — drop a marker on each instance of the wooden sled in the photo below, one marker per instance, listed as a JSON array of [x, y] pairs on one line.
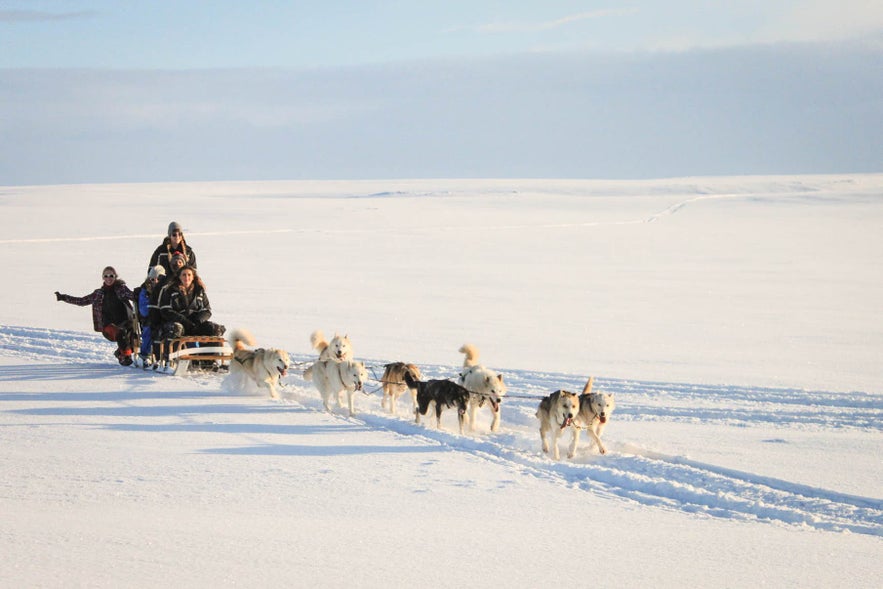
[[211, 348]]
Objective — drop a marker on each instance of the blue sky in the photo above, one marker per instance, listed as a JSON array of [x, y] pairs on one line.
[[209, 34], [193, 90]]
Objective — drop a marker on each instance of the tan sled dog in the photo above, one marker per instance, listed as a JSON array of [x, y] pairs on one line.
[[333, 378], [394, 385], [263, 366], [337, 350], [556, 413], [594, 411], [485, 385]]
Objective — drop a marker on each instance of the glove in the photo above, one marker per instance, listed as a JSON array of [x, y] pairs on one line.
[[57, 296], [189, 326]]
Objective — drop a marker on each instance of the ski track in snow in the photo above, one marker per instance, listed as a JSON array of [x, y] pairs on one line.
[[628, 472]]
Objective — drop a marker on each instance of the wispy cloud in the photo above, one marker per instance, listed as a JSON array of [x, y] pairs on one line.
[[523, 27], [11, 16]]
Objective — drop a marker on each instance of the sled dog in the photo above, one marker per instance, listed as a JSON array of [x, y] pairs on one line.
[[444, 393], [264, 366], [594, 411], [484, 384], [338, 349], [333, 378], [394, 385], [556, 413]]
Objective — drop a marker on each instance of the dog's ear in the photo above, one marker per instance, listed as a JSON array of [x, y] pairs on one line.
[[500, 377]]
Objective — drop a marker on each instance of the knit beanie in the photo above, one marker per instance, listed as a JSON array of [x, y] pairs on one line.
[[175, 226], [155, 272]]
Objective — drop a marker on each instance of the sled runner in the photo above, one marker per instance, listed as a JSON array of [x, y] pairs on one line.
[[213, 350]]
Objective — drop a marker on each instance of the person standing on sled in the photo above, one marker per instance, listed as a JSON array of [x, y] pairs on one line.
[[111, 312], [173, 244]]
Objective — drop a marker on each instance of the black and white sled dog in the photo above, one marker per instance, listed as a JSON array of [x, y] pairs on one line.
[[394, 385], [263, 366], [332, 379], [594, 411], [338, 349], [443, 393], [556, 413], [485, 385]]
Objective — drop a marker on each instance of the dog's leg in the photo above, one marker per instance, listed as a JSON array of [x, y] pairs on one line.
[[388, 402], [438, 412], [326, 401], [473, 411], [543, 439], [350, 398], [461, 416], [271, 385], [394, 402], [595, 431], [556, 434], [574, 441], [495, 425]]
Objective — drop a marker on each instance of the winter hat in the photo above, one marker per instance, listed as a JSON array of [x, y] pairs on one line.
[[175, 226], [155, 272], [178, 256]]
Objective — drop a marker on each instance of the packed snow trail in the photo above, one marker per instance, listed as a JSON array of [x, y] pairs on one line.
[[628, 472]]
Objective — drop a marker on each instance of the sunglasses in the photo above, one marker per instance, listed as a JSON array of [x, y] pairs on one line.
[[176, 233], [110, 276]]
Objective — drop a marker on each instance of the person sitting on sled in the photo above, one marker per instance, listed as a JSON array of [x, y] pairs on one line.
[[185, 307], [111, 312], [173, 244], [146, 294]]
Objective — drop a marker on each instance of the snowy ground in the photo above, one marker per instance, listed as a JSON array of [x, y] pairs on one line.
[[735, 319]]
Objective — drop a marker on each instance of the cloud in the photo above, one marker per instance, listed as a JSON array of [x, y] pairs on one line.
[[524, 27], [820, 20], [12, 16]]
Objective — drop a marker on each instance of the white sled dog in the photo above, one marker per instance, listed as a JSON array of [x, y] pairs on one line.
[[484, 384], [556, 413], [594, 411], [263, 366], [338, 349], [394, 385], [333, 378]]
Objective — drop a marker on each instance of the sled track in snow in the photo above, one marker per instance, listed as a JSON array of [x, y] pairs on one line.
[[628, 472], [654, 479]]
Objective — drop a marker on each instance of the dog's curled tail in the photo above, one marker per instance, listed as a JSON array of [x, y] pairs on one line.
[[587, 390], [239, 338], [471, 352], [317, 340]]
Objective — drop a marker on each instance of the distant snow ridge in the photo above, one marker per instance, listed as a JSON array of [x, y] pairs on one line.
[[629, 472]]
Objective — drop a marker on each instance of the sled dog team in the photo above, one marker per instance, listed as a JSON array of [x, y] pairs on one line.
[[335, 373]]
